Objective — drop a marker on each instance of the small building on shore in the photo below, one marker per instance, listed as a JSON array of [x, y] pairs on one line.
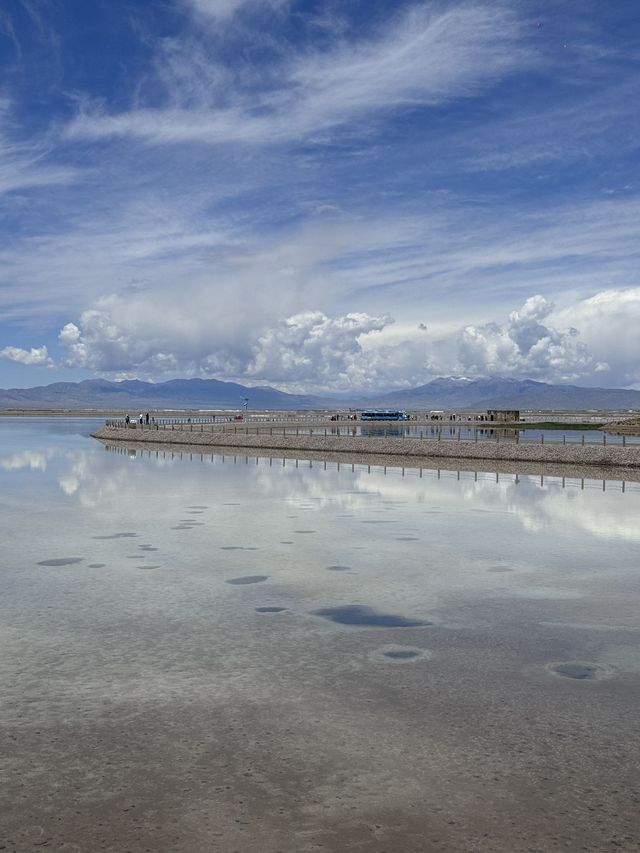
[[503, 415]]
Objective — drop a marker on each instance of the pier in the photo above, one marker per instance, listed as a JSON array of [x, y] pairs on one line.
[[306, 437]]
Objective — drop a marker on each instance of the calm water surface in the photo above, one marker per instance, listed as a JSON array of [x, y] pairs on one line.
[[213, 653]]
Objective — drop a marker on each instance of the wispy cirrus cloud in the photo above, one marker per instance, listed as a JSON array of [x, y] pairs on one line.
[[234, 284], [24, 164], [21, 169], [422, 58], [221, 10], [569, 129]]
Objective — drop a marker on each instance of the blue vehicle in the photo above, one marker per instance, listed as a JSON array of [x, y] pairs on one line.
[[383, 415]]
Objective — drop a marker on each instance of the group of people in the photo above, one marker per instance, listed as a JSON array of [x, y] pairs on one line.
[[142, 419]]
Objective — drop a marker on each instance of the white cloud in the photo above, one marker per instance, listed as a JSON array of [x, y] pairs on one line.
[[69, 334], [34, 459], [609, 322], [440, 263], [23, 163], [202, 299], [221, 10], [306, 351], [421, 58], [36, 356], [523, 346], [313, 349]]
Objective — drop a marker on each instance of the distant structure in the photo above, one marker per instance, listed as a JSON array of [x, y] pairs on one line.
[[383, 415], [503, 415]]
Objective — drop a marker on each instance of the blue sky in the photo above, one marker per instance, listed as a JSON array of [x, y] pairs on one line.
[[319, 195]]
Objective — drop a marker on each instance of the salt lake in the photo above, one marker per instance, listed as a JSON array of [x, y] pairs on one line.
[[207, 652]]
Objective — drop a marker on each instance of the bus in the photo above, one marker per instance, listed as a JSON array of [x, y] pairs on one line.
[[383, 415]]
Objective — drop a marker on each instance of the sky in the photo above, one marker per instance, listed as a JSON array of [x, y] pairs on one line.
[[319, 195]]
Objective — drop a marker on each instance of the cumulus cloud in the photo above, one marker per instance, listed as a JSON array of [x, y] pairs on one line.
[[237, 330], [526, 345], [125, 333], [36, 356], [306, 350], [311, 348], [313, 351], [609, 322]]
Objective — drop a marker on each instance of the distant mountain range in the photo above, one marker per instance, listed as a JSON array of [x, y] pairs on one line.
[[132, 393], [524, 394], [444, 393]]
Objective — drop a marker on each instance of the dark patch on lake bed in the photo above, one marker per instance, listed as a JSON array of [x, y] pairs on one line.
[[397, 654], [117, 536], [338, 568], [239, 548], [580, 671], [401, 654], [377, 521], [270, 609], [356, 614], [575, 670], [61, 561], [247, 579], [96, 565]]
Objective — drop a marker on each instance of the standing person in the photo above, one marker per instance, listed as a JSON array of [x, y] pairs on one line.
[[146, 418], [140, 419], [127, 419]]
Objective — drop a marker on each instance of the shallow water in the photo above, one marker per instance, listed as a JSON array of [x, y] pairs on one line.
[[450, 431], [326, 659]]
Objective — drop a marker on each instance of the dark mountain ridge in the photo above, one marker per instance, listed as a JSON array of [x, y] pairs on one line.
[[133, 393], [524, 394], [442, 393]]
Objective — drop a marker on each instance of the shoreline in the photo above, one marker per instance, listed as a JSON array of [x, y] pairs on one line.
[[412, 450], [543, 470], [623, 427]]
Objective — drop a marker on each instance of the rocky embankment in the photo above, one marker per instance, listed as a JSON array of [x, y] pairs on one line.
[[628, 426], [604, 456]]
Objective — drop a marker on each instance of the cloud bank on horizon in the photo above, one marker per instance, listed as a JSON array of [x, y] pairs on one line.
[[320, 196]]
